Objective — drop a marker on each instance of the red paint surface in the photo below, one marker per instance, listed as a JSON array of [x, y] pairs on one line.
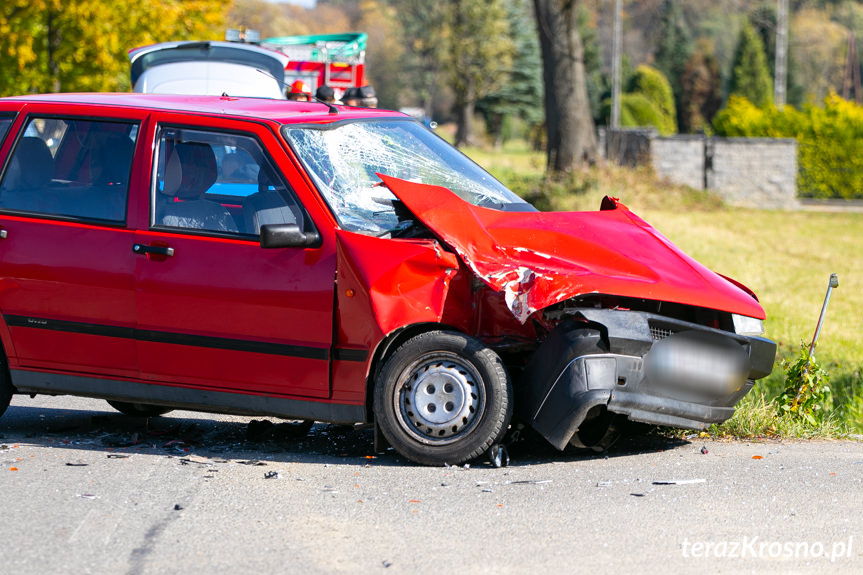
[[569, 254]]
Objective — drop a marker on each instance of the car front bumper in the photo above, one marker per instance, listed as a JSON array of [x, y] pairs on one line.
[[650, 368]]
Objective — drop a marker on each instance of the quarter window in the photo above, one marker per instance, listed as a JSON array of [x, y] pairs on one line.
[[70, 167], [218, 182], [4, 127]]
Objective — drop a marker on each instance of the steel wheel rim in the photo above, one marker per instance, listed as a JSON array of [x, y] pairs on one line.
[[439, 398]]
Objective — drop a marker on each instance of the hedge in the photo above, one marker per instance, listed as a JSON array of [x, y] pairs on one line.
[[830, 141]]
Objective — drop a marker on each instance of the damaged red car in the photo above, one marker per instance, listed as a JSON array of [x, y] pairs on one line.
[[327, 263]]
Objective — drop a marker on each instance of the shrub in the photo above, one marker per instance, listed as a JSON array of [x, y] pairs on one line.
[[830, 141]]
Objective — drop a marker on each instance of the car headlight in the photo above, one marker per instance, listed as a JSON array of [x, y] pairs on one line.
[[745, 325]]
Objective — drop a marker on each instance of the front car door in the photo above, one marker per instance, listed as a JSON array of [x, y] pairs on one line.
[[215, 310]]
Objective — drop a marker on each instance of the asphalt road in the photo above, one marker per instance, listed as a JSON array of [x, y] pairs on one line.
[[84, 489]]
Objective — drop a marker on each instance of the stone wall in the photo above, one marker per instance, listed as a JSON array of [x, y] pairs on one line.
[[753, 172]]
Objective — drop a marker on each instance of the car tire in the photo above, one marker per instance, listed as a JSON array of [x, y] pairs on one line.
[[6, 388], [138, 409], [443, 398]]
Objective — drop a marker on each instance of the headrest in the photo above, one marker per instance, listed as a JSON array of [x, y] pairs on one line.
[[190, 170], [36, 162]]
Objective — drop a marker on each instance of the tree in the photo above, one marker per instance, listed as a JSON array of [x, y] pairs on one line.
[[701, 94], [384, 52], [56, 45], [569, 125], [521, 93], [750, 76], [426, 29], [481, 53], [674, 48]]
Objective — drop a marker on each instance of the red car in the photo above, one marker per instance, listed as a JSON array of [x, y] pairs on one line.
[[325, 263]]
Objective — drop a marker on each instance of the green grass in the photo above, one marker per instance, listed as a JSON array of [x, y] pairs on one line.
[[785, 257]]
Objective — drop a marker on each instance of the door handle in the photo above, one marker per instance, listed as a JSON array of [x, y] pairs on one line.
[[154, 250], [3, 234]]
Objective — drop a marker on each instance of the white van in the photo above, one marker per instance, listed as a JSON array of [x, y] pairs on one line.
[[208, 68]]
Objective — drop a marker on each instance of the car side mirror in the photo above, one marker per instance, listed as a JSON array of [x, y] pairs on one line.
[[288, 236]]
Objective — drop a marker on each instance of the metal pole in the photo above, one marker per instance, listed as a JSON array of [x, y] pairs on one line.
[[615, 67], [834, 283], [780, 82]]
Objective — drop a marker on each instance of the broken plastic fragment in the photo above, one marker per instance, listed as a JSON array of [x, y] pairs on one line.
[[679, 481]]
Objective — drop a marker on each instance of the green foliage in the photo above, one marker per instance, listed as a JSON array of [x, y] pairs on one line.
[[701, 93], [51, 45], [654, 86], [807, 389], [750, 77], [764, 20], [519, 94], [647, 102], [830, 141], [674, 47], [598, 81]]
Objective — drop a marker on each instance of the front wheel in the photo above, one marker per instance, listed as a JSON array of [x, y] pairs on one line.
[[443, 397]]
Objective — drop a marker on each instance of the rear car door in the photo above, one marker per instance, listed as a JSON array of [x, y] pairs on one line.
[[215, 310], [66, 271]]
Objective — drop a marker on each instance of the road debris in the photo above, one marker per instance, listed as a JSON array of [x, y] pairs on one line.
[[272, 475], [196, 459], [528, 482], [704, 450], [679, 481]]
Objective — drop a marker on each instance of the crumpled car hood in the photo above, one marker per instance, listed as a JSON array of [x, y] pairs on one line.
[[538, 259]]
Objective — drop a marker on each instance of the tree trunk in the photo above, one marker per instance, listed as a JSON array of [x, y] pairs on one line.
[[465, 104], [569, 126]]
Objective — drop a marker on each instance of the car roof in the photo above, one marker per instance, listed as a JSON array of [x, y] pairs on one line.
[[281, 111]]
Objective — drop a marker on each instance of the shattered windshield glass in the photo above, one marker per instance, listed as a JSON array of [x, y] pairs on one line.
[[343, 160]]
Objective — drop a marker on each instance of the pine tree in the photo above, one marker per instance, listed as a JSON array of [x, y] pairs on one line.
[[521, 93], [674, 47], [701, 94], [750, 76]]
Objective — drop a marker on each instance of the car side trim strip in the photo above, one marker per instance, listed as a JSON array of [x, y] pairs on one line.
[[27, 381], [229, 344]]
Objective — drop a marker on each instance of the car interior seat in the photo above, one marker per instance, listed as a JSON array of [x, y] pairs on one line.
[[268, 206], [28, 174], [190, 170]]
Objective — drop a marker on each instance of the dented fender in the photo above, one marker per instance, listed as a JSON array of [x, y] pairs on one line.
[[384, 284]]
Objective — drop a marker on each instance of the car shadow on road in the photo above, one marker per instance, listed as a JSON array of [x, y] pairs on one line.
[[242, 439]]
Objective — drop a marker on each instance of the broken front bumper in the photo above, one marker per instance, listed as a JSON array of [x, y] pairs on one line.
[[648, 367]]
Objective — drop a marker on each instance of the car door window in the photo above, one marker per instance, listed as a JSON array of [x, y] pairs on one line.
[[71, 167], [5, 122], [214, 182]]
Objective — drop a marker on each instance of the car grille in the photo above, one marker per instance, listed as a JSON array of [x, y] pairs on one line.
[[658, 333]]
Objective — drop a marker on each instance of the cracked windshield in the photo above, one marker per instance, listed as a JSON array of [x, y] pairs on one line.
[[344, 160]]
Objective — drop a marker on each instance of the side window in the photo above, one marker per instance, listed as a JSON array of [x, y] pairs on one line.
[[4, 127], [71, 167], [218, 182]]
